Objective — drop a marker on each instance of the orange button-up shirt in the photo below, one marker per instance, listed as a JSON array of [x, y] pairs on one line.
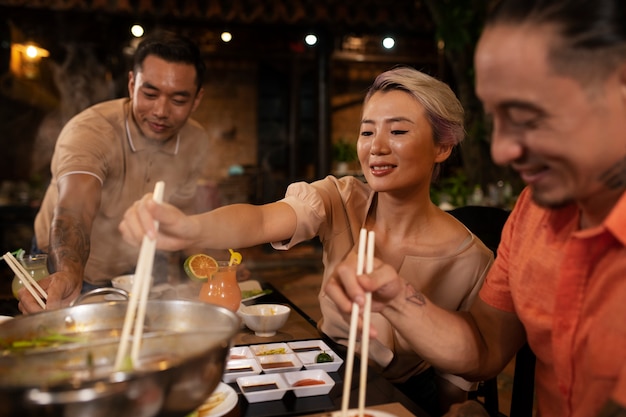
[[568, 287]]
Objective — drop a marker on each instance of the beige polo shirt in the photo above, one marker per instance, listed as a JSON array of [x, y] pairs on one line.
[[104, 141], [335, 210]]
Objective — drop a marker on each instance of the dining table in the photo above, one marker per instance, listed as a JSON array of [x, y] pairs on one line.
[[380, 394]]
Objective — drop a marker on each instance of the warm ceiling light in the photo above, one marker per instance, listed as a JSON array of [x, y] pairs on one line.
[[31, 51], [226, 36], [25, 59], [137, 31]]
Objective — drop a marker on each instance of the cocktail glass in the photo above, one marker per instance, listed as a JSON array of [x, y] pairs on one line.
[[222, 288], [37, 267]]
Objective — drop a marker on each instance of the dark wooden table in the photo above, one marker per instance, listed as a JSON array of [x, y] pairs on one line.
[[379, 390]]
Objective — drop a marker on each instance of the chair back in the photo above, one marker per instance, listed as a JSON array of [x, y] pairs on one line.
[[487, 223]]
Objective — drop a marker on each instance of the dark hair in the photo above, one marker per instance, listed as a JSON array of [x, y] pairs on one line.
[[592, 34], [171, 47]]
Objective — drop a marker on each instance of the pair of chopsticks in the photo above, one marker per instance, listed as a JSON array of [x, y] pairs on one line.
[[138, 299], [365, 257], [33, 287]]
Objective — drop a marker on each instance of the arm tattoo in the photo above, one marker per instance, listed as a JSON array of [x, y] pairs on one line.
[[69, 240], [415, 296]]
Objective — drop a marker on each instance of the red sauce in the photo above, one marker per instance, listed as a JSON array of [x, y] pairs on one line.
[[308, 381]]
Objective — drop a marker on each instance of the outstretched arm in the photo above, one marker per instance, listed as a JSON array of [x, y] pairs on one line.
[[70, 230], [233, 226]]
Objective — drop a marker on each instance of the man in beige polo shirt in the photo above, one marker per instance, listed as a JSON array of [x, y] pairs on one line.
[[110, 155]]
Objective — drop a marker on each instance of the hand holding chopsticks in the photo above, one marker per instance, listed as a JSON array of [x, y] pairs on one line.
[[135, 314], [365, 257], [33, 287]]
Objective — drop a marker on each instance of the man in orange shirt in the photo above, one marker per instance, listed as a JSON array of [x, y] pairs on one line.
[[552, 74]]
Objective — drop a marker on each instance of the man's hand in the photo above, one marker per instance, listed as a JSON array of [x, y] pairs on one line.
[[62, 288], [467, 409]]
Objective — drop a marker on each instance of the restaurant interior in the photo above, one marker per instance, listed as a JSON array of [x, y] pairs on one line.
[[282, 101]]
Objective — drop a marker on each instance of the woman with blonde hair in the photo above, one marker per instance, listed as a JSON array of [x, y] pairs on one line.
[[410, 124]]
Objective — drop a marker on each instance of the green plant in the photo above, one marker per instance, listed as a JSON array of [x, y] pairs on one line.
[[344, 151], [453, 189]]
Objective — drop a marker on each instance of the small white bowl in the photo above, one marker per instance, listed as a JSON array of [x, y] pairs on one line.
[[238, 368], [240, 352], [309, 360], [264, 319], [279, 363], [123, 282], [324, 383], [274, 387], [315, 345], [279, 348]]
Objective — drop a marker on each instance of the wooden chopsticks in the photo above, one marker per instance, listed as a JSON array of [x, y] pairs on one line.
[[365, 257], [38, 293], [138, 298]]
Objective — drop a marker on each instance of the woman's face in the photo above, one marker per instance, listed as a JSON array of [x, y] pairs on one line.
[[395, 146]]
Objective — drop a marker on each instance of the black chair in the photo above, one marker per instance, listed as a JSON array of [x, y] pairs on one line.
[[486, 223]]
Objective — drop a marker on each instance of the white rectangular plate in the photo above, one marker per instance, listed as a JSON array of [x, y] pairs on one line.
[[250, 285], [315, 375], [279, 363], [270, 349], [238, 368], [240, 352], [247, 383], [307, 351]]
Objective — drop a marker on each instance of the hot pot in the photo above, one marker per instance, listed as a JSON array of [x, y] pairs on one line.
[[182, 359]]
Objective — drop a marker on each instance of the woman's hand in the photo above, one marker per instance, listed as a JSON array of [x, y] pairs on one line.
[[345, 287], [176, 230]]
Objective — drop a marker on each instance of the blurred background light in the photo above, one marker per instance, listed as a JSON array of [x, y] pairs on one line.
[[226, 36], [310, 39], [137, 31], [388, 42]]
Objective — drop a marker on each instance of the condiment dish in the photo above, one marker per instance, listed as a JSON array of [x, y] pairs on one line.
[[309, 383], [259, 388], [237, 368]]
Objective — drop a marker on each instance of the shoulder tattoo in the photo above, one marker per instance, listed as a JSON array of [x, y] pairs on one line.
[[615, 176]]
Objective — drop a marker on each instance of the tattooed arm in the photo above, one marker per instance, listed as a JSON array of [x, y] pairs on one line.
[[475, 344], [70, 230]]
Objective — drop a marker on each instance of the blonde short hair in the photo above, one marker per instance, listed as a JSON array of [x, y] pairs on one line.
[[443, 109]]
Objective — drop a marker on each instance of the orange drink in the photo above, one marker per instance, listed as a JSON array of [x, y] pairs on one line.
[[222, 288]]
